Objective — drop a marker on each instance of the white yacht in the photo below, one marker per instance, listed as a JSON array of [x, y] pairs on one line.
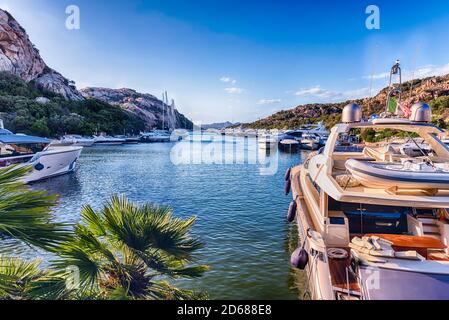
[[156, 136], [77, 140], [108, 141], [46, 160], [310, 141], [373, 222]]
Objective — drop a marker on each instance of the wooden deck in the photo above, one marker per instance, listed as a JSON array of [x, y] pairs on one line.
[[340, 277]]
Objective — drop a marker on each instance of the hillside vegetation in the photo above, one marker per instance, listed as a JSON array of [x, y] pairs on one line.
[[432, 90], [23, 110]]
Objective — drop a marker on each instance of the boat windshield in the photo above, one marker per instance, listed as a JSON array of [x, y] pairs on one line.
[[389, 284], [389, 140]]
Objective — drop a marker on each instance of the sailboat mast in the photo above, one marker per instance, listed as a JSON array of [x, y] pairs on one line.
[[163, 111], [168, 111]]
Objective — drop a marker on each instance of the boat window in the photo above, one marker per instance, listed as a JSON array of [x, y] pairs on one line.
[[349, 142], [295, 134], [14, 150], [373, 219]]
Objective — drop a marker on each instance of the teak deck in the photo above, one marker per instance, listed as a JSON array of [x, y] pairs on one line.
[[340, 277]]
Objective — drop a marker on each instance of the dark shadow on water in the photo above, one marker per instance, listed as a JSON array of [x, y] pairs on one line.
[[297, 279]]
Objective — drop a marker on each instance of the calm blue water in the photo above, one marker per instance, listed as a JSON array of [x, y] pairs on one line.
[[241, 213]]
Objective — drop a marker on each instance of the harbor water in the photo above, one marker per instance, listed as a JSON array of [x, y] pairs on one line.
[[241, 213]]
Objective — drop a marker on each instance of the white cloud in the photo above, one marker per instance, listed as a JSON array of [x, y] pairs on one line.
[[325, 95], [316, 91], [228, 80], [234, 90], [383, 75], [269, 101]]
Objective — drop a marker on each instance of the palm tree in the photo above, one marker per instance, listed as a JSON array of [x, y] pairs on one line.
[[25, 216], [129, 251], [124, 251]]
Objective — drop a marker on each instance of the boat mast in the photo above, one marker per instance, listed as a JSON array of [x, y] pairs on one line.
[[395, 70], [163, 110]]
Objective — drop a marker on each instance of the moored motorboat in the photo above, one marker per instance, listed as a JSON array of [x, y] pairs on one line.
[[362, 238], [45, 159], [108, 141], [77, 140], [310, 141], [155, 136]]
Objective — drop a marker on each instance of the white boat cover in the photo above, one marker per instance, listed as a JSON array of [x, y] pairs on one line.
[[403, 175]]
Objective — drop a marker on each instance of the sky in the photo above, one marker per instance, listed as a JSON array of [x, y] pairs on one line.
[[238, 60]]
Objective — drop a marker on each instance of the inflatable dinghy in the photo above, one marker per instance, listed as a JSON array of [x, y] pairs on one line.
[[408, 175]]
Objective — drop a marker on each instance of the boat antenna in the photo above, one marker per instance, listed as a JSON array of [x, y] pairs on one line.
[[395, 70]]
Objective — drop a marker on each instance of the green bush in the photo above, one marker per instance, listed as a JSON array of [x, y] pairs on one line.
[[21, 113]]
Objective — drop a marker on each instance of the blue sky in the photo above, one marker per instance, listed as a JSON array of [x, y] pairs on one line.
[[238, 60]]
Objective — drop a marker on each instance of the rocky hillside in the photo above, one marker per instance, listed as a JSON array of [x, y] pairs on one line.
[[147, 107], [19, 57], [219, 125], [433, 90]]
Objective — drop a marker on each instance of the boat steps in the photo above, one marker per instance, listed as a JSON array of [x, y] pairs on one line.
[[427, 221], [430, 227]]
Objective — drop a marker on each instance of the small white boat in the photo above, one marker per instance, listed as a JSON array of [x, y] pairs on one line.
[[106, 140], [310, 141], [407, 175]]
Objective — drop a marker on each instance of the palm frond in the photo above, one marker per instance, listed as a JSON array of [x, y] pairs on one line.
[[25, 214], [163, 265], [149, 227], [21, 279], [122, 248], [162, 290]]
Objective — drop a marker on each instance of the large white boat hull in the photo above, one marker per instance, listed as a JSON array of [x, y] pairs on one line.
[[52, 162]]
